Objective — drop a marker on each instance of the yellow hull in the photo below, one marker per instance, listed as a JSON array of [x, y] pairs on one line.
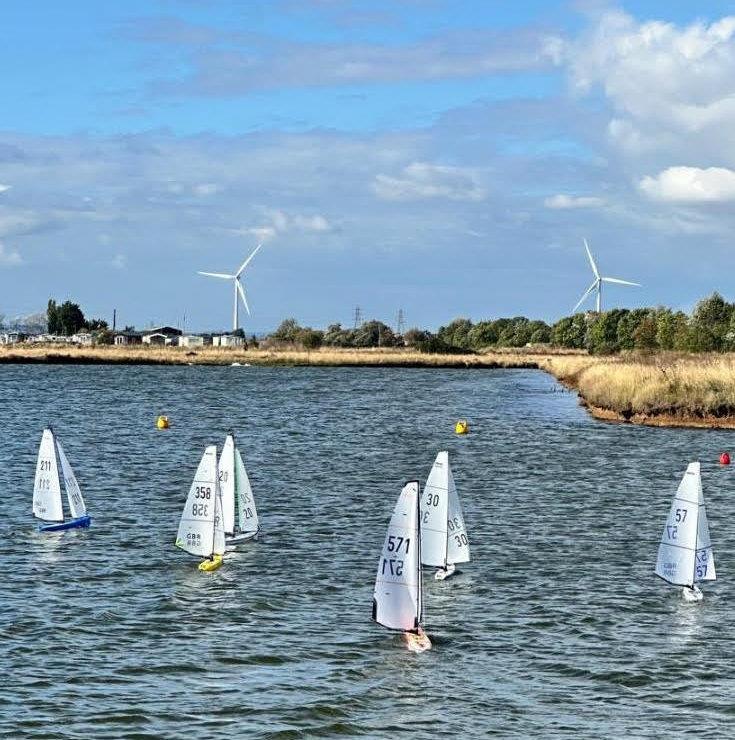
[[209, 565]]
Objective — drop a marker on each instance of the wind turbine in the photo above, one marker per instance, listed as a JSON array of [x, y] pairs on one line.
[[597, 283], [239, 291]]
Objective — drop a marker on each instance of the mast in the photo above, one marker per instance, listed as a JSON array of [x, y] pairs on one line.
[[700, 498], [420, 600]]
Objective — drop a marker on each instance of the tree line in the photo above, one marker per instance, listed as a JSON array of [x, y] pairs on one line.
[[67, 318], [710, 328]]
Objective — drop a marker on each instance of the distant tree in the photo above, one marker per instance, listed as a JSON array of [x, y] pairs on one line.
[[336, 336], [253, 341], [415, 337], [645, 335], [374, 334], [239, 332], [96, 325], [52, 318], [69, 319], [288, 331], [456, 334], [483, 334], [310, 338], [540, 332], [570, 332], [711, 322]]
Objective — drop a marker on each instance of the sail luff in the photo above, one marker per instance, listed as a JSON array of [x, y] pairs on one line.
[[397, 597], [196, 527], [433, 510], [227, 484], [47, 504], [677, 550]]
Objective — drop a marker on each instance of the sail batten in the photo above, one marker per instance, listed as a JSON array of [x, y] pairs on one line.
[[397, 594]]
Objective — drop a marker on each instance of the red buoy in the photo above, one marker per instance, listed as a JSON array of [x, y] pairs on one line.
[[724, 458]]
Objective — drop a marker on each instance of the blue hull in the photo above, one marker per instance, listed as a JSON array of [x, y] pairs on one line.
[[79, 522]]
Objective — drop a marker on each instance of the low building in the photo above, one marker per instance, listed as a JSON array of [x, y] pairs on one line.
[[83, 338], [162, 335], [191, 340], [12, 337], [228, 340], [123, 338]]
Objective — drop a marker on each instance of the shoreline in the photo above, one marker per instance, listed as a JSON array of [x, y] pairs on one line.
[[661, 390]]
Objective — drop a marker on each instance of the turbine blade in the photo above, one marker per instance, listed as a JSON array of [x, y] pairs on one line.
[[592, 262], [216, 274], [620, 282], [584, 295], [242, 295], [245, 264]]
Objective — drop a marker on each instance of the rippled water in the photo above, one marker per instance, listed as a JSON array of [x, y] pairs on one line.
[[557, 627]]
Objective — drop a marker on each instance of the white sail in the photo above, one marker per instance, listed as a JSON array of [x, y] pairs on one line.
[[458, 546], [227, 484], [247, 514], [218, 546], [685, 553], [46, 487], [196, 529], [434, 508], [77, 507], [397, 595]]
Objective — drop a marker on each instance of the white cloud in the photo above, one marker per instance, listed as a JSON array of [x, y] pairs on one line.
[[207, 188], [9, 258], [282, 222], [4, 188], [562, 201], [119, 262], [691, 184], [421, 180]]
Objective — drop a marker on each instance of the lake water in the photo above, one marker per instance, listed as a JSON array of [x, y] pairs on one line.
[[557, 628]]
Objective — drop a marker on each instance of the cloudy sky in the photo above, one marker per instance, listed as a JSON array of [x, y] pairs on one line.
[[446, 157]]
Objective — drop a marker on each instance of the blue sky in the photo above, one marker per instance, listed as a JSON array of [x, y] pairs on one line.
[[446, 158]]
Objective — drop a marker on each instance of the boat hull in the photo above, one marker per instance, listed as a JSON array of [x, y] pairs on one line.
[[231, 542], [81, 522], [207, 566], [417, 643]]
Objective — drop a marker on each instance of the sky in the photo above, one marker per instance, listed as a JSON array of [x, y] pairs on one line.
[[445, 158]]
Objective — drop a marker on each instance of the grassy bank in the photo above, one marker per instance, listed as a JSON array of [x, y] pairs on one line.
[[661, 389], [378, 357]]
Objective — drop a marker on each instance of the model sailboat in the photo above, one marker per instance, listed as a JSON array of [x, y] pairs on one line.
[[200, 531], [239, 514], [47, 503], [397, 599], [444, 540], [685, 554]]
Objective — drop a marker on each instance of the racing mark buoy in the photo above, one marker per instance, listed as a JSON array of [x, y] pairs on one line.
[[162, 422], [725, 458], [461, 427]]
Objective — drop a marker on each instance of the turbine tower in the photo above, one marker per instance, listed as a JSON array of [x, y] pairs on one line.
[[597, 283], [239, 291]]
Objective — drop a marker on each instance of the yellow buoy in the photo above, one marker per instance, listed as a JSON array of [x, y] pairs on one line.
[[162, 422], [461, 427], [209, 565]]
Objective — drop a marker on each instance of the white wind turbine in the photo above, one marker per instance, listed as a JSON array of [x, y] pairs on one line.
[[597, 283], [239, 291]]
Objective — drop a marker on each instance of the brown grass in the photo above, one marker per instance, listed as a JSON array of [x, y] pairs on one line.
[[661, 389], [686, 390]]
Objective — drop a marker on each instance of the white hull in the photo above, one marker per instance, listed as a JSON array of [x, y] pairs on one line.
[[692, 595], [231, 542], [443, 573]]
